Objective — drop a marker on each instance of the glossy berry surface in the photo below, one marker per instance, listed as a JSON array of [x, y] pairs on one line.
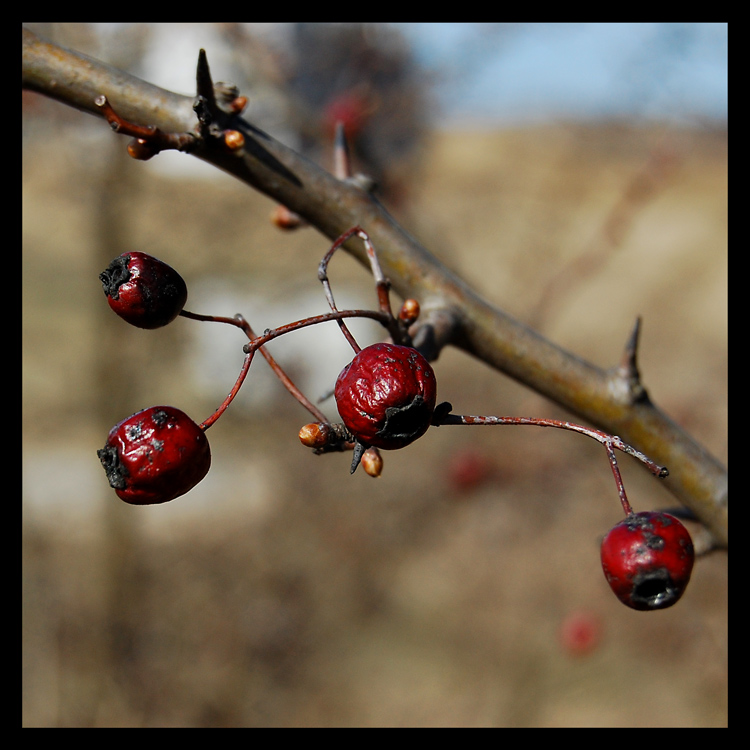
[[155, 456], [386, 395], [647, 560], [143, 290]]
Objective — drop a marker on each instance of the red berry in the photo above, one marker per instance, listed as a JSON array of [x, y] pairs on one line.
[[386, 395], [468, 469], [154, 456], [580, 632], [143, 290], [347, 108], [647, 560]]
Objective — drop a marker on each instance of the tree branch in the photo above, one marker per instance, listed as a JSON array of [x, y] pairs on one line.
[[614, 399]]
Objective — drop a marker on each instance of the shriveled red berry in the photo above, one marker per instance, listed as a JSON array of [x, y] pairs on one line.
[[155, 456], [386, 395], [647, 560], [144, 290]]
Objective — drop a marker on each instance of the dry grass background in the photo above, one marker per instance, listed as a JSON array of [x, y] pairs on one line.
[[282, 591]]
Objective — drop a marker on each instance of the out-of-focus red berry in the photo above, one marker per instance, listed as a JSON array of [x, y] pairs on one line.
[[347, 108], [468, 469], [580, 632]]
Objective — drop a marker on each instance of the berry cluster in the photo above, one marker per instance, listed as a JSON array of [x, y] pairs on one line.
[[386, 398]]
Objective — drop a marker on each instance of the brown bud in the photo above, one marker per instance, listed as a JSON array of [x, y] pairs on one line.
[[238, 105], [140, 149], [283, 218], [409, 311], [234, 140], [315, 434], [372, 462]]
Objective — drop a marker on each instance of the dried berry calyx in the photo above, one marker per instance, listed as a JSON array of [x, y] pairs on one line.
[[143, 290], [647, 559], [386, 395], [155, 456]]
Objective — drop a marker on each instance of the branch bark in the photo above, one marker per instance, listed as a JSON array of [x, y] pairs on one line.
[[613, 399]]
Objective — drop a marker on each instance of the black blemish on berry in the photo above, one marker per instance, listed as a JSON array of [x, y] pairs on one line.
[[117, 474], [655, 589], [115, 275], [404, 422], [160, 417]]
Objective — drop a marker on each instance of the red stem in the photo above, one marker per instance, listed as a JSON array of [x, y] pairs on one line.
[[235, 390], [618, 479], [240, 322], [257, 342], [598, 435], [610, 442]]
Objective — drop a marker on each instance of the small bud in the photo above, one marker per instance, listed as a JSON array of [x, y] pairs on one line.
[[409, 311], [283, 218], [140, 149], [238, 105], [234, 140], [315, 434], [372, 462], [226, 91]]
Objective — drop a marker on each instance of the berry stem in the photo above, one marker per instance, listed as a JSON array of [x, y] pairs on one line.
[[618, 479], [382, 285], [257, 342], [235, 390], [273, 333], [240, 322], [609, 441]]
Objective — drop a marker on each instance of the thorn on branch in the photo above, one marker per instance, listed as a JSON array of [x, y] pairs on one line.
[[149, 140], [217, 108], [630, 355], [342, 167], [204, 84], [628, 372]]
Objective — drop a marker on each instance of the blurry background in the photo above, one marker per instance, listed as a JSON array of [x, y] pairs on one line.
[[576, 175]]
